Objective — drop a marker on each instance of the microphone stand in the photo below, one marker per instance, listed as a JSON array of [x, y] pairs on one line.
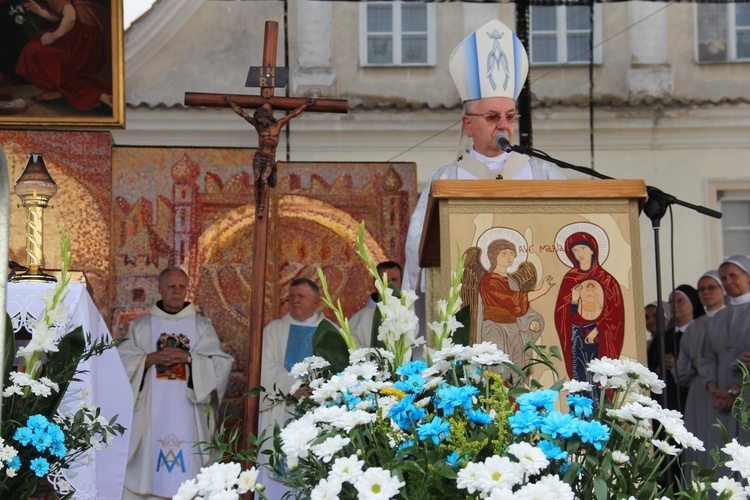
[[654, 208]]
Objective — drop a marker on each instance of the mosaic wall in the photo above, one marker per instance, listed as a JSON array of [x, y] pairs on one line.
[[195, 208], [131, 212]]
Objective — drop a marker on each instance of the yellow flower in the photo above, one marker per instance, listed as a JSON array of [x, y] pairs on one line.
[[390, 391]]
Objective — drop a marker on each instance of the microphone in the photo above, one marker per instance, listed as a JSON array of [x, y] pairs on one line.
[[502, 142]]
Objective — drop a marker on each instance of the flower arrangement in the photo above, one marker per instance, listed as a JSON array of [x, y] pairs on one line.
[[450, 426], [35, 440]]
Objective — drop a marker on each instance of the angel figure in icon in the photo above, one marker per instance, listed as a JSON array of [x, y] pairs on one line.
[[499, 283]]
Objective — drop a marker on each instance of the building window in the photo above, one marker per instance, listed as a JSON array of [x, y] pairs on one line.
[[560, 34], [397, 34], [735, 223], [722, 32]]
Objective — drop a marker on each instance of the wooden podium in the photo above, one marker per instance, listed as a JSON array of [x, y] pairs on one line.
[[575, 270]]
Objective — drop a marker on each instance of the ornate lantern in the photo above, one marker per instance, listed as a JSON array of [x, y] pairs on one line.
[[35, 187]]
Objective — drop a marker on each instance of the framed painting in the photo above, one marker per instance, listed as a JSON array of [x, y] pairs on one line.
[[61, 64], [554, 263]]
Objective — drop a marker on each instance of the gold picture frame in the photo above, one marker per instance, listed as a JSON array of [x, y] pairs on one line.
[[38, 95]]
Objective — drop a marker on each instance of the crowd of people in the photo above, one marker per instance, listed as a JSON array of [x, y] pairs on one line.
[[706, 338]]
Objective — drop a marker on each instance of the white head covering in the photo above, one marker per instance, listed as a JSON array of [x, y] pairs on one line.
[[741, 261], [714, 275], [491, 62]]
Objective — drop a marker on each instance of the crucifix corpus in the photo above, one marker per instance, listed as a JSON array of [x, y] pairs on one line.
[[266, 77]]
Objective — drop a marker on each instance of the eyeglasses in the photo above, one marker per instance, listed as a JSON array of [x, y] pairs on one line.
[[496, 117], [707, 288]]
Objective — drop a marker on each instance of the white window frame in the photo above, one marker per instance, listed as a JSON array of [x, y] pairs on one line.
[[397, 34], [731, 20], [562, 38], [720, 191]]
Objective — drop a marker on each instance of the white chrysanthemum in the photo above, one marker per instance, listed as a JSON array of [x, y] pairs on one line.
[[225, 494], [347, 469], [619, 457], [352, 419], [11, 472], [95, 443], [218, 477], [687, 439], [500, 494], [740, 461], [470, 477], [377, 484], [486, 353], [297, 436], [555, 488], [449, 353], [187, 491], [643, 429], [532, 459], [609, 373], [665, 447], [248, 480], [634, 412], [367, 370], [12, 390], [334, 387], [7, 452], [574, 386], [500, 472], [432, 383], [729, 486], [39, 389], [328, 448], [327, 414], [326, 489], [367, 387], [360, 355]]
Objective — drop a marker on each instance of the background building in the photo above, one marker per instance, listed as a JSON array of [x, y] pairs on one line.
[[669, 94]]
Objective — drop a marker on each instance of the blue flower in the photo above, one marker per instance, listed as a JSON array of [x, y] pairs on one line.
[[40, 466], [14, 463], [405, 414], [38, 422], [23, 435], [413, 383], [556, 424], [551, 450], [479, 417], [524, 422], [58, 449], [437, 430], [41, 440], [594, 432], [452, 397], [580, 405], [406, 448], [351, 400], [412, 368], [537, 400], [56, 433], [454, 460]]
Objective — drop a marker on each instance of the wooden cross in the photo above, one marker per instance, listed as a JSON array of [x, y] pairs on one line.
[[266, 77]]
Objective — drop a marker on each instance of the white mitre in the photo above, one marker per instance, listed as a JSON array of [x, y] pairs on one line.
[[491, 62]]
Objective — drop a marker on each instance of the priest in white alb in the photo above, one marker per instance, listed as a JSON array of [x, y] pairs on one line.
[[178, 373], [286, 341]]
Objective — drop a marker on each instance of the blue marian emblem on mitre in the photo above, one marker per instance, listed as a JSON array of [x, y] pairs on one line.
[[497, 59]]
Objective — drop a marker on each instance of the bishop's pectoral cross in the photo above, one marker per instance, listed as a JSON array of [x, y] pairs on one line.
[[266, 77]]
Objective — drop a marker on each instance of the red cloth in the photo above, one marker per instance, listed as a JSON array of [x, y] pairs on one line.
[[611, 322], [501, 303], [71, 63]]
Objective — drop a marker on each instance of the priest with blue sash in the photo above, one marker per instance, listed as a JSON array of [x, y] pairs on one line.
[[286, 341]]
